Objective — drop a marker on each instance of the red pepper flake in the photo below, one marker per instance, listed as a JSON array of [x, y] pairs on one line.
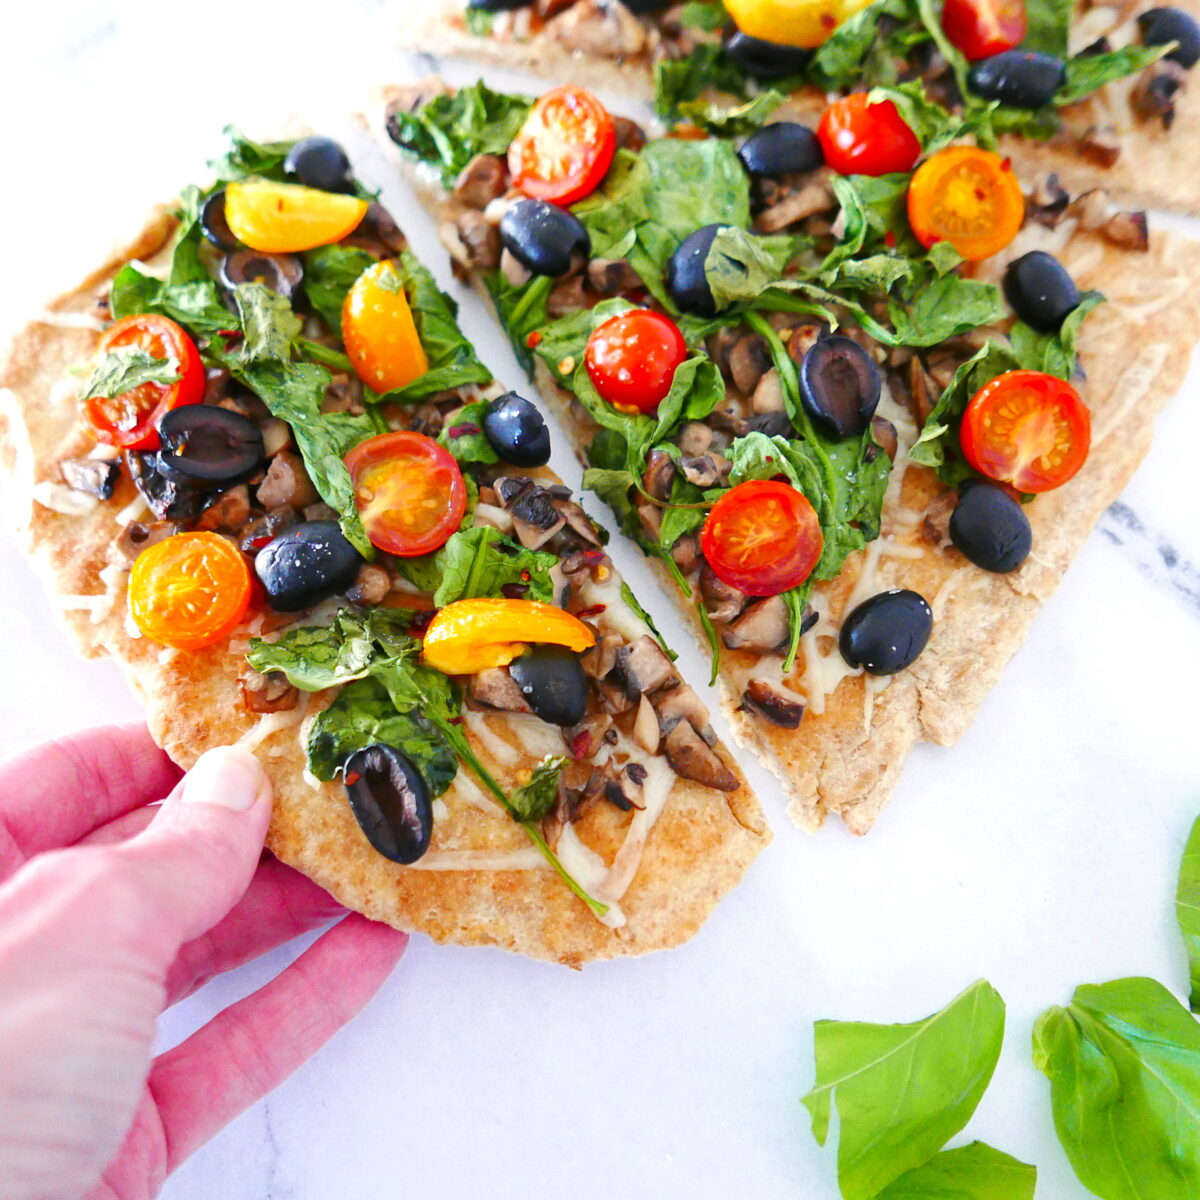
[[593, 557], [525, 576], [352, 777], [230, 334], [420, 622], [463, 430], [580, 745], [594, 611], [533, 340], [889, 240]]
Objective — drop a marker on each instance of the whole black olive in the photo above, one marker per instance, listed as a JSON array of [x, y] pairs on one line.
[[642, 7], [1162, 25], [886, 633], [306, 564], [839, 386], [686, 279], [282, 273], [1041, 290], [168, 499], [990, 528], [543, 237], [319, 162], [766, 60], [213, 224], [208, 447], [498, 5], [390, 801], [553, 682], [517, 431], [1020, 78], [784, 148]]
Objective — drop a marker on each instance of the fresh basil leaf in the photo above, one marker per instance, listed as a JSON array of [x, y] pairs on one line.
[[125, 368], [535, 799], [616, 489], [1087, 73], [1187, 910], [1123, 1060], [902, 1090], [1054, 353], [329, 274], [708, 15], [612, 213], [945, 307], [838, 63], [1049, 25], [723, 121], [679, 80], [632, 601], [563, 342], [934, 125], [246, 157], [740, 265], [481, 562], [479, 21], [269, 327], [362, 715], [971, 1172], [464, 436]]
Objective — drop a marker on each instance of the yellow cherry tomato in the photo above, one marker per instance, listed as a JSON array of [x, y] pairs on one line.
[[282, 218], [967, 197], [378, 329], [472, 635], [805, 23]]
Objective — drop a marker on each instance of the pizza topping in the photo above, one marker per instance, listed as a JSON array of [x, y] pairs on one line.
[[806, 23], [390, 801], [282, 273], [1156, 91], [482, 180], [213, 224], [781, 148], [632, 358], [990, 528], [761, 59], [1027, 429], [761, 629], [692, 757], [886, 633], [94, 476], [283, 218], [761, 698], [544, 238], [762, 537], [839, 386], [146, 365], [552, 683], [981, 28], [687, 278], [1018, 78], [1161, 26], [517, 431], [168, 499], [1041, 290], [319, 162], [190, 591], [467, 636], [305, 565], [968, 197], [564, 148], [408, 490], [381, 336], [208, 447], [859, 137]]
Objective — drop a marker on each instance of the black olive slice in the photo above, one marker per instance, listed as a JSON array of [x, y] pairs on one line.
[[319, 162], [543, 237], [498, 5], [390, 801], [306, 564], [887, 633], [282, 273], [839, 386], [208, 447], [168, 499], [517, 431], [687, 280], [553, 682], [766, 60], [213, 224]]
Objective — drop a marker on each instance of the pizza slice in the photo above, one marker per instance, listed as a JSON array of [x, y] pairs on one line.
[[264, 470], [860, 423], [1097, 94]]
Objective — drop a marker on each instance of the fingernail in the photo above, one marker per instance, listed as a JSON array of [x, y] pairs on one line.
[[228, 777]]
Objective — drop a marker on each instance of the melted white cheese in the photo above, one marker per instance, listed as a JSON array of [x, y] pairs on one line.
[[528, 858], [589, 870], [61, 499], [135, 510], [617, 616], [1131, 389]]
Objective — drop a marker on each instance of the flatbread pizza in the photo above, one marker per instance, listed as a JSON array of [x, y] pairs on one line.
[[259, 465]]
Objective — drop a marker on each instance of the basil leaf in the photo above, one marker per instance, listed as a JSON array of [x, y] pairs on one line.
[[125, 368], [1087, 73], [269, 327], [246, 157], [971, 1172], [679, 80], [838, 63], [722, 121], [1123, 1060], [934, 125], [709, 15], [632, 601], [902, 1090], [464, 437], [1049, 26], [536, 798], [740, 265], [1054, 353], [329, 274], [1187, 910], [945, 307], [479, 21], [481, 562]]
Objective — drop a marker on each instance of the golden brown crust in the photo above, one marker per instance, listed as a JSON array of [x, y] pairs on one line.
[[697, 851]]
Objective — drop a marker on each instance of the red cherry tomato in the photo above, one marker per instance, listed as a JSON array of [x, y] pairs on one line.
[[859, 138], [631, 359], [408, 491], [1027, 429], [564, 148], [762, 537], [130, 419], [981, 28]]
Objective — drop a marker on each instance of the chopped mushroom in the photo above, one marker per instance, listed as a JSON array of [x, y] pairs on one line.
[[494, 687], [646, 732], [761, 698], [683, 704], [624, 789], [749, 361], [229, 510], [91, 475], [287, 482], [630, 135], [691, 758], [480, 240], [583, 740], [1101, 145], [136, 537], [614, 698], [1156, 91], [372, 585], [814, 197], [566, 296], [495, 516], [267, 693], [885, 435], [802, 339], [1090, 208], [516, 273], [694, 438], [650, 516], [920, 390], [686, 553], [642, 667], [602, 657], [535, 519], [611, 276], [482, 180], [1127, 229], [259, 532], [605, 28], [768, 395], [658, 475], [706, 470], [578, 521], [1048, 202], [723, 602], [276, 436], [763, 627], [936, 527], [510, 488]]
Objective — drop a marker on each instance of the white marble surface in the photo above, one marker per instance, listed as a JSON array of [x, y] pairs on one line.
[[1039, 853]]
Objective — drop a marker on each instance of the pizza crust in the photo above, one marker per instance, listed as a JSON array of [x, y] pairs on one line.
[[697, 851]]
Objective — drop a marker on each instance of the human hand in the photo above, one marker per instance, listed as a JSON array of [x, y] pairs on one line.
[[112, 910]]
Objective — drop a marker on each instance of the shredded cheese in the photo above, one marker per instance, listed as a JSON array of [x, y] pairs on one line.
[[61, 499]]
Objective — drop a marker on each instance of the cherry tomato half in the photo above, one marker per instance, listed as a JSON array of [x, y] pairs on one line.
[[130, 419], [379, 331], [762, 537], [408, 491], [189, 591], [631, 359], [1027, 429], [564, 148], [967, 197], [283, 218], [805, 23], [860, 138], [981, 28]]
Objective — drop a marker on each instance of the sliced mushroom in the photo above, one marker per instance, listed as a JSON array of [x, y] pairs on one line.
[[578, 521], [646, 732], [885, 435], [686, 553], [372, 585], [605, 28], [584, 739], [772, 424], [229, 510], [482, 180], [706, 470], [495, 688], [566, 296], [510, 488], [727, 421], [136, 537], [920, 389], [495, 516], [691, 758], [614, 698], [480, 240], [535, 519], [94, 476], [276, 436], [723, 602], [719, 346], [602, 657], [802, 339], [259, 532], [763, 627], [749, 361], [816, 196], [1127, 229], [683, 704], [267, 693], [612, 276], [287, 482], [694, 438], [320, 512], [1101, 145], [624, 789], [935, 529], [1155, 93], [630, 135], [658, 475], [1048, 202], [1090, 208], [516, 273], [642, 667], [650, 516], [761, 698]]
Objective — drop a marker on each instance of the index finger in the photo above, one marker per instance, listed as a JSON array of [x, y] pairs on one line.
[[58, 792]]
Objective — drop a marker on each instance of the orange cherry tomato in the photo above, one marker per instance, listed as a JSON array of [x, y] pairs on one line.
[[805, 23], [981, 28], [379, 331], [967, 197], [1027, 429], [762, 537], [283, 218], [189, 591], [631, 359], [471, 635], [860, 138], [408, 491], [130, 419], [564, 148]]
